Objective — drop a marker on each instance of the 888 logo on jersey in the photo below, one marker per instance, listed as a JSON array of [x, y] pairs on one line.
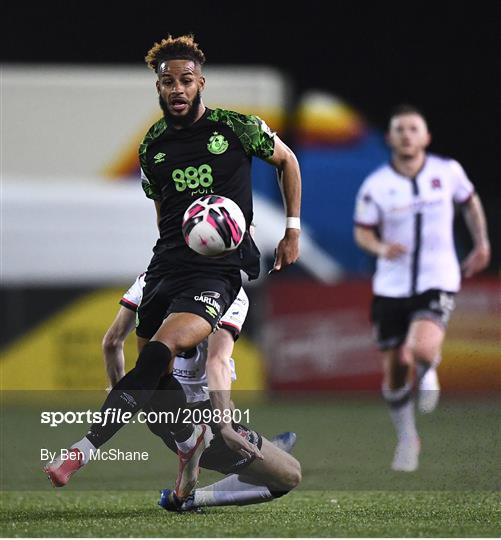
[[198, 180]]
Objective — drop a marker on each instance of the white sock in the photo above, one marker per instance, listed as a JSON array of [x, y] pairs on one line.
[[403, 419], [85, 446], [231, 491], [189, 443], [402, 415]]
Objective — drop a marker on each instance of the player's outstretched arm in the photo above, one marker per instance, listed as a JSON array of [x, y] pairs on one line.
[[480, 255], [289, 179], [218, 371], [113, 344]]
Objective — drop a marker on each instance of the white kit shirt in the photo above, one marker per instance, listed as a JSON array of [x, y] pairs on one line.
[[132, 298], [417, 213], [190, 372]]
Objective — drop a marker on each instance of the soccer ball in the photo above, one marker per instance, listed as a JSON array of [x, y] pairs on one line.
[[213, 225]]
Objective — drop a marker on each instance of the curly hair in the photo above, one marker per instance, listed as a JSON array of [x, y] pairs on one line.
[[179, 48]]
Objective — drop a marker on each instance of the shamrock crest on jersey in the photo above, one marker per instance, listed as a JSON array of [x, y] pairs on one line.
[[217, 144]]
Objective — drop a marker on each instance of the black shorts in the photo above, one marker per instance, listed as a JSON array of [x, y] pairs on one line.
[[393, 316], [218, 456], [208, 297]]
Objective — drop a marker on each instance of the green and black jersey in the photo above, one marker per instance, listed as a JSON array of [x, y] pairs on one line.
[[213, 155]]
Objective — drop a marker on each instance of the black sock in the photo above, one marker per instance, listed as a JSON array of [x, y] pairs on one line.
[[169, 398], [133, 391], [399, 397], [421, 369]]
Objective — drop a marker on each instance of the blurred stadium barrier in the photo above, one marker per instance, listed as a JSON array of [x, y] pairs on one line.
[[64, 352], [87, 122], [314, 338], [318, 338], [472, 351]]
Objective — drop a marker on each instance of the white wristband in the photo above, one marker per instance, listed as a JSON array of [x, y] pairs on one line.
[[293, 223]]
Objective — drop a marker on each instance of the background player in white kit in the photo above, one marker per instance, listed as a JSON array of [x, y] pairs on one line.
[[404, 215]]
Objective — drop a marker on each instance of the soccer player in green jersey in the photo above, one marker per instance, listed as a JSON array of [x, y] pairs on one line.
[[192, 151]]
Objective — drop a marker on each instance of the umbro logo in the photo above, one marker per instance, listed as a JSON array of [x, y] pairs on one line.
[[128, 399], [159, 158], [211, 311]]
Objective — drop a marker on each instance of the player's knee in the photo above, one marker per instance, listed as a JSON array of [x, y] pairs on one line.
[[295, 475], [422, 348], [155, 356], [424, 352], [292, 476], [175, 344]]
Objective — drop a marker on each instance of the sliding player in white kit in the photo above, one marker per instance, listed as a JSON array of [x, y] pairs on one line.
[[404, 216], [209, 366]]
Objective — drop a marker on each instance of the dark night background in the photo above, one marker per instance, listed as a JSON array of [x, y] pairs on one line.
[[441, 56]]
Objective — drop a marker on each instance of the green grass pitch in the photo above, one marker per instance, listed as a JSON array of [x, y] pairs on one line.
[[301, 514], [345, 446]]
